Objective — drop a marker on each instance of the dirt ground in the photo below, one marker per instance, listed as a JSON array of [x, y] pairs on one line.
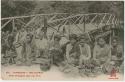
[[34, 73]]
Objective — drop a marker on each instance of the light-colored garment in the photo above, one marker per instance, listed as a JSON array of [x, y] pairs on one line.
[[40, 41], [39, 33], [117, 52], [102, 53], [19, 53], [20, 38], [63, 41], [85, 54], [72, 54]]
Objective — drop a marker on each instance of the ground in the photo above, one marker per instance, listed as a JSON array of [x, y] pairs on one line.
[[34, 73]]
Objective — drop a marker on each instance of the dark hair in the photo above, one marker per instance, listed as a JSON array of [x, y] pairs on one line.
[[100, 38], [57, 37], [31, 36], [73, 36], [115, 38]]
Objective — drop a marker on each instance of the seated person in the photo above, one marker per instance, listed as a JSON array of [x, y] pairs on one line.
[[56, 51], [71, 63], [72, 51], [116, 52], [85, 51], [102, 54]]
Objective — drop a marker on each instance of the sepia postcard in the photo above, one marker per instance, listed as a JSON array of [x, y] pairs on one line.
[[62, 40]]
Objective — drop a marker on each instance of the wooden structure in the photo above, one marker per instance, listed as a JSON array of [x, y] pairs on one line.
[[58, 21]]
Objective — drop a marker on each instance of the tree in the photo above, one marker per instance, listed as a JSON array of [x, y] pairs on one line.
[[16, 8]]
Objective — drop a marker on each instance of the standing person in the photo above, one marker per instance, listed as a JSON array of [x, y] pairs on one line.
[[28, 49], [20, 37], [102, 54], [38, 38], [41, 42], [3, 43], [11, 50], [56, 51], [5, 47]]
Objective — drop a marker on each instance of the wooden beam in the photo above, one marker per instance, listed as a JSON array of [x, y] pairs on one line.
[[109, 19], [60, 24], [77, 19], [65, 23], [93, 19], [21, 21], [32, 20], [77, 26], [13, 25], [116, 21], [16, 17], [81, 20], [84, 22], [113, 20], [69, 17], [52, 18], [6, 23], [102, 19]]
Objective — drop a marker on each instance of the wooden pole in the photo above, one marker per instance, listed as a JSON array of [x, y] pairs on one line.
[[13, 25], [109, 19], [81, 20], [16, 17], [84, 26], [5, 24], [45, 27], [69, 27], [94, 18]]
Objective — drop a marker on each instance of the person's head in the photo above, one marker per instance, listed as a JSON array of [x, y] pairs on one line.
[[114, 41], [22, 29], [73, 38], [82, 40], [57, 38], [2, 32], [29, 38], [28, 29], [7, 32], [101, 41]]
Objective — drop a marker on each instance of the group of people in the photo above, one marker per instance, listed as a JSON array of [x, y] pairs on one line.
[[26, 45]]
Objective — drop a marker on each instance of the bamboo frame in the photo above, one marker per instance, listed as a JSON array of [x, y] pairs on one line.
[[13, 24], [6, 23], [113, 19], [102, 19], [81, 20], [77, 26], [93, 19], [52, 18], [16, 17], [32, 20], [62, 21], [109, 19]]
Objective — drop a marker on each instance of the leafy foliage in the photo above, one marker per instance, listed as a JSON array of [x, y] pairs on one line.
[[17, 8]]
